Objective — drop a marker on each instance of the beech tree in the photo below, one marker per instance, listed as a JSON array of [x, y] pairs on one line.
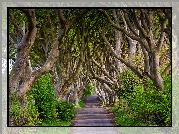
[[81, 45], [24, 45], [151, 25]]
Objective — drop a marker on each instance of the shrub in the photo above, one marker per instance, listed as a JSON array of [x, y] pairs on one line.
[[23, 116], [144, 103], [45, 98], [42, 107], [65, 110], [89, 90]]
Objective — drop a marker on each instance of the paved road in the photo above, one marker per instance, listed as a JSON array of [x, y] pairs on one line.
[[93, 115]]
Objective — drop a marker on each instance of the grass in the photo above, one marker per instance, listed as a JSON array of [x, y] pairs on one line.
[[55, 123], [125, 119], [82, 103]]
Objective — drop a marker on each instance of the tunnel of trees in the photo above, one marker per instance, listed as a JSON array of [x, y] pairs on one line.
[[57, 55]]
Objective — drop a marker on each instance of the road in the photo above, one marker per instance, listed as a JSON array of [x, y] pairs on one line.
[[93, 115]]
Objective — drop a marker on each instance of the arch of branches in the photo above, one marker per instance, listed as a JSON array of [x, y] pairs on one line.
[[78, 46]]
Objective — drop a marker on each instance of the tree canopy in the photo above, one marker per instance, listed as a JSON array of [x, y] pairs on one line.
[[78, 46]]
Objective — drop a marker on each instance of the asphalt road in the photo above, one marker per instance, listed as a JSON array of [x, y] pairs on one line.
[[94, 119]]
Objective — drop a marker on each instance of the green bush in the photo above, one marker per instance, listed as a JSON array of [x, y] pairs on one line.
[[49, 108], [45, 98], [142, 103], [66, 111], [42, 107], [128, 81], [23, 116], [89, 90], [82, 102], [151, 105]]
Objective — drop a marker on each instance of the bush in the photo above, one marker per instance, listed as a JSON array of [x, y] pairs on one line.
[[144, 104], [49, 108], [128, 81], [42, 107], [45, 98], [23, 116], [151, 106], [89, 90], [66, 111]]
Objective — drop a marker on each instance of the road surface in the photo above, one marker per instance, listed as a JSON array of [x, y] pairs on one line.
[[93, 115]]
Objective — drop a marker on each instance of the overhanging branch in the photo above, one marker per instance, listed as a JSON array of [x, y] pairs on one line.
[[119, 28], [18, 29], [119, 58]]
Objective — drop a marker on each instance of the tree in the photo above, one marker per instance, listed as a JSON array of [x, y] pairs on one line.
[[78, 46], [25, 45], [145, 21]]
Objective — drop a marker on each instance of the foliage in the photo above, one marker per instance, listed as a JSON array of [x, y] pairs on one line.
[[144, 105], [41, 104], [136, 96], [23, 116], [89, 90], [45, 98], [82, 102], [55, 123], [49, 108], [129, 79], [43, 108], [66, 111]]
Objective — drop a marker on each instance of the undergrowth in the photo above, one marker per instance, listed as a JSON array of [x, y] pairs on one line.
[[141, 105], [43, 108]]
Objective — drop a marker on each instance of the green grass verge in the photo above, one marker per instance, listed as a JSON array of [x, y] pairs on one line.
[[124, 119], [82, 103], [55, 123]]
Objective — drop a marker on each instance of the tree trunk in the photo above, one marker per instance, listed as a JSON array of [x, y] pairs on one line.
[[20, 63], [146, 60], [118, 38], [158, 81], [118, 47], [23, 89], [132, 49]]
